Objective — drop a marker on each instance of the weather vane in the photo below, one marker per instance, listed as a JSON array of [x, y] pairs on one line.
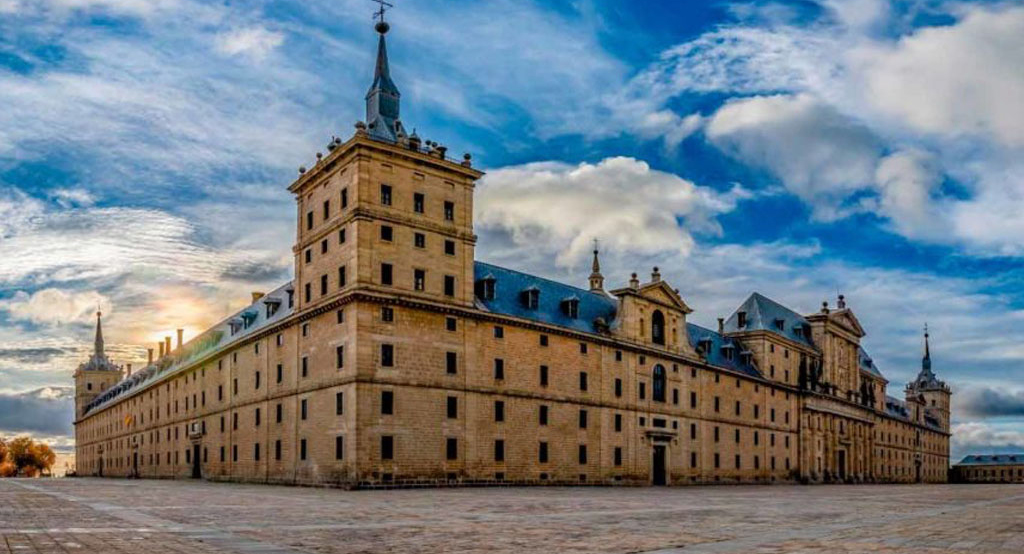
[[379, 14]]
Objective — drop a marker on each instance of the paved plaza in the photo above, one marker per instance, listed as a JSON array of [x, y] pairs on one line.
[[105, 515]]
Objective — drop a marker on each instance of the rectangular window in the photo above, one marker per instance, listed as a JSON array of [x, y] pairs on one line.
[[309, 292], [323, 285], [387, 233], [344, 197], [453, 407], [385, 195], [386, 277], [387, 314], [339, 353], [302, 407], [618, 423], [675, 396], [582, 454], [693, 431], [543, 340], [308, 255], [583, 380], [387, 355], [309, 220], [449, 285], [499, 368], [280, 373], [717, 403], [499, 411], [451, 362], [542, 453], [257, 417], [716, 433], [449, 247], [342, 280], [583, 348], [339, 403], [499, 450], [387, 402], [499, 332], [418, 201], [693, 399], [387, 447], [419, 240], [543, 415], [543, 375], [618, 456], [256, 452], [323, 246], [302, 449], [449, 211], [450, 323], [583, 419], [341, 236], [643, 390], [305, 366], [452, 448], [234, 453], [419, 279], [339, 447], [618, 388], [280, 415]]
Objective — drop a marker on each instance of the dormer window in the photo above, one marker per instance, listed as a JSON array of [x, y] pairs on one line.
[[728, 351], [273, 305], [780, 324], [531, 298], [704, 346], [746, 357], [741, 319], [571, 307], [798, 330], [485, 287]]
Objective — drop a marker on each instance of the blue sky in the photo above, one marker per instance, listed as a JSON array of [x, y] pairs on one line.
[[799, 149]]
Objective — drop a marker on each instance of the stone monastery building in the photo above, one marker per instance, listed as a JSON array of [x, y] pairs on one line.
[[395, 358]]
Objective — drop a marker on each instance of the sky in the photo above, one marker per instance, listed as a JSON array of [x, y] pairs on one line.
[[801, 149]]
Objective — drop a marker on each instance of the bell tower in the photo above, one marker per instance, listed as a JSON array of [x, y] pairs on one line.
[[96, 375], [935, 393]]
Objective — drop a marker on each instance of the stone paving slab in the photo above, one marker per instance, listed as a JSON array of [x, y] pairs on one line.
[[106, 515]]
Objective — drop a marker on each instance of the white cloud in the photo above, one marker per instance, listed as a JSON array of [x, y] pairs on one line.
[[972, 436], [71, 197], [820, 155], [54, 306], [962, 79], [905, 181], [255, 42], [621, 201]]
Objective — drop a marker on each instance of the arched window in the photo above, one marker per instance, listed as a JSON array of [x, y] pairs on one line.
[[658, 327], [659, 385]]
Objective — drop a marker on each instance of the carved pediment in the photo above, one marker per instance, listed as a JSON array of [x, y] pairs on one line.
[[845, 318], [659, 293]]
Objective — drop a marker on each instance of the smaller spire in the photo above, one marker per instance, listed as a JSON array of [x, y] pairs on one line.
[[596, 279], [98, 344], [926, 361]]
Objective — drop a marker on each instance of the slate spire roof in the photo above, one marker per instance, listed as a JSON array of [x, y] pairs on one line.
[[382, 100], [99, 361], [926, 380], [98, 343]]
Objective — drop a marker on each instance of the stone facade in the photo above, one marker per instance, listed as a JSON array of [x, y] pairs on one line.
[[995, 468], [395, 358]]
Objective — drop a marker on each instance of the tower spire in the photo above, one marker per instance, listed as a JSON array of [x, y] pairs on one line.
[[596, 279], [98, 344], [382, 100], [926, 361]]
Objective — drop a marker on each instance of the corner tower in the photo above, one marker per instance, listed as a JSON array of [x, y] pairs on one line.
[[383, 212], [96, 375], [927, 387]]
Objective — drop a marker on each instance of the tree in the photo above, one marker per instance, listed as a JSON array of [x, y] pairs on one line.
[[24, 456]]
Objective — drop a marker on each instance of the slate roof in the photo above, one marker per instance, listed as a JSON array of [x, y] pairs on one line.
[[716, 355], [215, 339], [867, 364], [993, 459], [509, 284], [763, 313], [896, 407]]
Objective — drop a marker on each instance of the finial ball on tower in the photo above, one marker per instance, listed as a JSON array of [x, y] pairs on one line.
[[382, 27]]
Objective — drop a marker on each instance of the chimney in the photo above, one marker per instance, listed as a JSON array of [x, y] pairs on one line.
[[256, 295], [634, 283], [161, 345], [655, 275], [181, 332], [167, 345], [721, 325], [150, 362], [129, 370]]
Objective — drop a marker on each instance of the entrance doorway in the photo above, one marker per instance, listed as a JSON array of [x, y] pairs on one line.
[[658, 467], [100, 466], [135, 464], [842, 465], [197, 472], [917, 471]]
